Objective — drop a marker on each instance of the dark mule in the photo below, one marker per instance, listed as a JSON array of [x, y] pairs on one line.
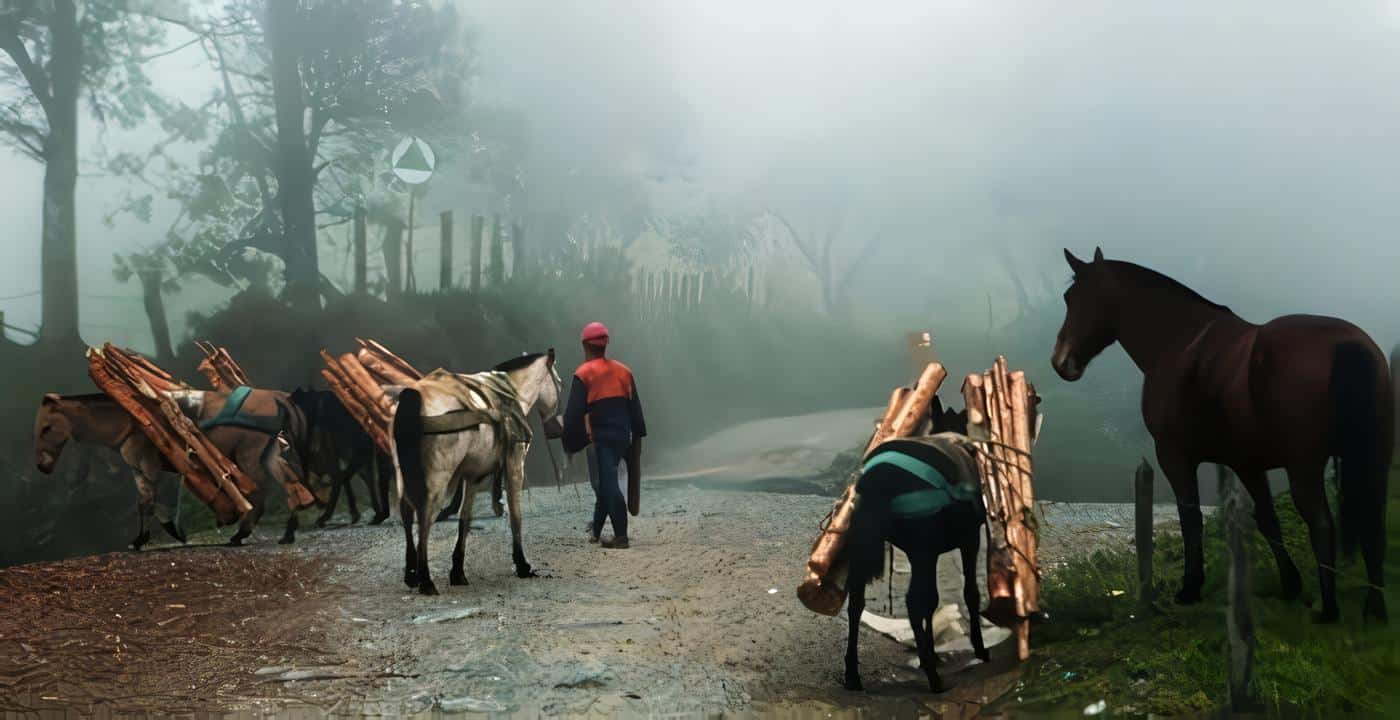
[[339, 449], [881, 517], [1291, 394]]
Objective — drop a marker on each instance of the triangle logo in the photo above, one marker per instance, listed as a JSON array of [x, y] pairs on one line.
[[413, 159]]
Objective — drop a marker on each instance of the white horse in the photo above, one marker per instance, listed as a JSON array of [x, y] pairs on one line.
[[443, 436]]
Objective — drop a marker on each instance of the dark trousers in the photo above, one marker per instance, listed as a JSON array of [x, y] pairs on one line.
[[603, 458]]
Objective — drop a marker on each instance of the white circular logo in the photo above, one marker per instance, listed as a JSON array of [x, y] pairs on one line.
[[413, 161]]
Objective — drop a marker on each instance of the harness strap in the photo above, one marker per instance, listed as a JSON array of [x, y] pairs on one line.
[[231, 414], [929, 501]]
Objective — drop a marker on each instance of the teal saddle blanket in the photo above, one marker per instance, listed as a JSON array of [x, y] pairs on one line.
[[232, 415], [940, 493]]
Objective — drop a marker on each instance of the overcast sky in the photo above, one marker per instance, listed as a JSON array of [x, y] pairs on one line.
[[1250, 150]]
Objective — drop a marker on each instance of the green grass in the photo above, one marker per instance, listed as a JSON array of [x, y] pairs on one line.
[[1173, 662]]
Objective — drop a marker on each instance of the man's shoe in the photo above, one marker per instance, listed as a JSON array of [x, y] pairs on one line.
[[616, 544]]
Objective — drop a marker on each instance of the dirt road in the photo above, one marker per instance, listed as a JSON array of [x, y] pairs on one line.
[[699, 617]]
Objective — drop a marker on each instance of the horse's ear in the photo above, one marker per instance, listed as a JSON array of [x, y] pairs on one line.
[[1098, 255], [550, 353], [52, 397], [1075, 263]]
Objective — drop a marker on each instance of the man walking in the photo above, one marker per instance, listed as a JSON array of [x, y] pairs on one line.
[[605, 411]]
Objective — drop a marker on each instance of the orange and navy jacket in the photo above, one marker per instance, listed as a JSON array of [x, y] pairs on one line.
[[603, 403]]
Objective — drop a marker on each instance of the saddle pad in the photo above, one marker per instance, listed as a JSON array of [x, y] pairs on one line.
[[926, 502], [232, 415]]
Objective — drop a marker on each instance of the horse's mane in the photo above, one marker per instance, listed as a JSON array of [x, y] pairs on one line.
[[1151, 278], [517, 363]]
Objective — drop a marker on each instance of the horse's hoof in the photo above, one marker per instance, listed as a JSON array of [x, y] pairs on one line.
[[140, 541], [235, 542], [321, 521], [498, 508], [1327, 616], [286, 540], [378, 519], [936, 685], [984, 655], [457, 578], [525, 571], [1291, 591], [427, 588], [1187, 596], [354, 518], [854, 684], [410, 577]]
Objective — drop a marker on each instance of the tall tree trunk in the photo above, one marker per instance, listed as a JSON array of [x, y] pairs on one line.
[[151, 281], [445, 251], [59, 249], [518, 268], [393, 258], [295, 179], [478, 226], [361, 279]]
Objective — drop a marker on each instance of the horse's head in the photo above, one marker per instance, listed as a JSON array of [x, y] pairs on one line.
[[540, 388], [52, 430], [1090, 323]]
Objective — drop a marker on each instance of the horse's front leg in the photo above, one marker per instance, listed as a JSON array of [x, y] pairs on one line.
[[289, 533], [855, 606], [464, 523], [515, 468], [1181, 473], [249, 519], [345, 477], [333, 501], [972, 598], [1257, 484], [379, 486], [145, 505]]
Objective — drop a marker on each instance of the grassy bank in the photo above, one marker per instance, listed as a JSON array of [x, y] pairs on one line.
[[1099, 647]]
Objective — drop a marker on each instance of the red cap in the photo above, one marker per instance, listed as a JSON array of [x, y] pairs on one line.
[[595, 333]]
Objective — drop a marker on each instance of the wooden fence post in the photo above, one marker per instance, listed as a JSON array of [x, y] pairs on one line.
[[519, 264], [445, 266], [1142, 496], [1239, 620], [393, 258], [498, 253], [478, 226], [361, 260]]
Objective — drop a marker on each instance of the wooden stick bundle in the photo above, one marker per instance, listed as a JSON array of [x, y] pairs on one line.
[[219, 366], [823, 590], [358, 381], [138, 387], [1000, 410]]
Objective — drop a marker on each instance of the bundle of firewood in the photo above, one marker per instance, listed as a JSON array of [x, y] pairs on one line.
[[224, 374], [1001, 416], [823, 591], [358, 380], [141, 388]]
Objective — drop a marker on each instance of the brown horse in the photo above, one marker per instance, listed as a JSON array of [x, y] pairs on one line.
[[252, 445], [1292, 393]]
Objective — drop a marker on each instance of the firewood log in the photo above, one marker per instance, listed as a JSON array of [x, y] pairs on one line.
[[394, 360], [386, 373]]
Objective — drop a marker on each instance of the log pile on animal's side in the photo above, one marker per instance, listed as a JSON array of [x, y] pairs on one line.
[[358, 381], [142, 389], [1001, 416], [223, 372], [823, 591]]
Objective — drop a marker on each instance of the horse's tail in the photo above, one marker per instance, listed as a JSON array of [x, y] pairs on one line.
[[865, 545], [408, 448], [1358, 433]]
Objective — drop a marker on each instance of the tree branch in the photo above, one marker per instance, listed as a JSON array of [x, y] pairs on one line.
[[796, 237], [13, 46]]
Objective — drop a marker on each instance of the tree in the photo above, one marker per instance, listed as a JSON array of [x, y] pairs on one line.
[[313, 91], [57, 51]]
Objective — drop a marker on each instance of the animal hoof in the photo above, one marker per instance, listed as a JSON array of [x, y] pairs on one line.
[[235, 542], [525, 571], [378, 519], [410, 578], [140, 541], [854, 684], [457, 578], [286, 540], [498, 508], [984, 655], [427, 588], [354, 518], [935, 685], [1186, 596], [321, 521]]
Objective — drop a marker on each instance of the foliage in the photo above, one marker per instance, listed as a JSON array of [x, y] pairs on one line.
[[110, 70], [1174, 661]]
